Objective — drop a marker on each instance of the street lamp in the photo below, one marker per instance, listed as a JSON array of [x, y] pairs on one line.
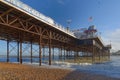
[[68, 22]]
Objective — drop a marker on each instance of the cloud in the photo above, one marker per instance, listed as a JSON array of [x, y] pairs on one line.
[[114, 38], [61, 2]]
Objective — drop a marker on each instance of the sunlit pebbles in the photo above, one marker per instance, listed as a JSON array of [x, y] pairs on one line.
[[10, 71]]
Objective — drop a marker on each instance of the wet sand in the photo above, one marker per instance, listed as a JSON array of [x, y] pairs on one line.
[[11, 71]]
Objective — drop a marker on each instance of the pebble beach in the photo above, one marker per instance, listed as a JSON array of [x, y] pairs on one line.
[[15, 71]]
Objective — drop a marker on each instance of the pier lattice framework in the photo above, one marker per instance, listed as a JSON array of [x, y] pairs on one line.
[[17, 26]]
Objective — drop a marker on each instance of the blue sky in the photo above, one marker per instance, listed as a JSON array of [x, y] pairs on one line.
[[105, 14]]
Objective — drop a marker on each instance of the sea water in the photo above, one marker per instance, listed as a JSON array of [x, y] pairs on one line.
[[111, 68]]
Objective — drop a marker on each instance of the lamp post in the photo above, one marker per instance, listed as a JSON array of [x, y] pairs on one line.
[[68, 24]]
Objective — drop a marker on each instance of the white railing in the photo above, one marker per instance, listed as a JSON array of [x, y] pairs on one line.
[[27, 9]]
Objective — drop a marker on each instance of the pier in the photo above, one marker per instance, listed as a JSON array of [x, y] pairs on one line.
[[27, 28]]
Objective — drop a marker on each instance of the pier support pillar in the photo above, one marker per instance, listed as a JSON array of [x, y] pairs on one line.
[[43, 48], [108, 54], [93, 55], [59, 53], [31, 52], [75, 53], [64, 54], [18, 51], [53, 53], [99, 55], [49, 54], [50, 48], [67, 54], [40, 52], [7, 50]]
